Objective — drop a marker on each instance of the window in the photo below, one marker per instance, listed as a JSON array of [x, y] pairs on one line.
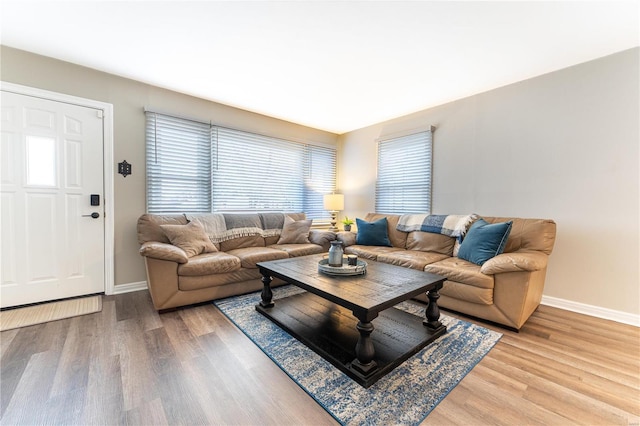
[[196, 167], [403, 184]]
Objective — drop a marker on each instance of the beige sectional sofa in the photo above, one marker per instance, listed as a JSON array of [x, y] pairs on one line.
[[224, 264], [505, 289]]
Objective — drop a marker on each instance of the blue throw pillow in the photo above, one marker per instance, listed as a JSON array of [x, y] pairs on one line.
[[484, 241], [372, 233]]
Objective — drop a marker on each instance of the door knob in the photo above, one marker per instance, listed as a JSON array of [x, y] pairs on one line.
[[94, 215]]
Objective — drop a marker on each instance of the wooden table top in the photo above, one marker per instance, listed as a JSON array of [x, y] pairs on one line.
[[382, 286]]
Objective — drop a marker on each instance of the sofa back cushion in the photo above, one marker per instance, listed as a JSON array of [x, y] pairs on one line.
[[149, 226], [428, 241], [397, 238], [528, 234]]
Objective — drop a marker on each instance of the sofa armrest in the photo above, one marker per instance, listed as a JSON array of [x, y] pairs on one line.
[[516, 261], [347, 238], [163, 251]]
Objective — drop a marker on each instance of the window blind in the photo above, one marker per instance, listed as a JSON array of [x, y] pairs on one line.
[[256, 173], [320, 179], [197, 167], [178, 165], [403, 184]]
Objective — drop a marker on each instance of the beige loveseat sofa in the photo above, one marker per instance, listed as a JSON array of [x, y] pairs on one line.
[[223, 262], [505, 289]]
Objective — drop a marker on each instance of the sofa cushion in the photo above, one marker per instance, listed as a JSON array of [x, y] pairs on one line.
[[411, 258], [427, 241], [370, 252], [528, 234], [295, 250], [373, 233], [484, 241], [295, 231], [209, 263], [462, 271], [249, 256], [190, 237], [242, 242], [397, 238]]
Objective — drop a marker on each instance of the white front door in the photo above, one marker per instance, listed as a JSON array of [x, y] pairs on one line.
[[51, 167]]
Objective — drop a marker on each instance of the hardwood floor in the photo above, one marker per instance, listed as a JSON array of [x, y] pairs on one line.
[[129, 365]]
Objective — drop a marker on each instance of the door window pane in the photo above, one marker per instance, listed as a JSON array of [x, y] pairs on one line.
[[41, 161]]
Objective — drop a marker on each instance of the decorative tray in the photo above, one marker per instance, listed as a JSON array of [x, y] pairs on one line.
[[344, 270]]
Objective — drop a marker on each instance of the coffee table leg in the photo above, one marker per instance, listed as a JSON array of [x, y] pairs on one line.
[[365, 351], [433, 311], [266, 294]]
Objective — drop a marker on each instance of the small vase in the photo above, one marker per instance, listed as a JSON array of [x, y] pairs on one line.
[[347, 228]]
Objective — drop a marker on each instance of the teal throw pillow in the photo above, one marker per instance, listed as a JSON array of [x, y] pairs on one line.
[[372, 233], [484, 241]]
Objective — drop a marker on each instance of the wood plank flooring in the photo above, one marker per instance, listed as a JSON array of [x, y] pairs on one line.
[[129, 365]]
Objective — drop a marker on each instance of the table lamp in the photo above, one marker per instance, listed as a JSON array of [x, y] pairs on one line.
[[333, 203]]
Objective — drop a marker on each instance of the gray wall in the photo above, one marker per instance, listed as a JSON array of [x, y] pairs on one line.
[[562, 146], [129, 98]]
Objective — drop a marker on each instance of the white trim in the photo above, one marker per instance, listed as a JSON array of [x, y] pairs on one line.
[[108, 197], [594, 311], [129, 287]]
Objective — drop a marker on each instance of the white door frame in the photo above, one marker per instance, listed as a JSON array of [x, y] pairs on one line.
[[107, 111]]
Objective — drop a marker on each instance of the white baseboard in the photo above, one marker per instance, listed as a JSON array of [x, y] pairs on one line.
[[129, 287], [594, 311]]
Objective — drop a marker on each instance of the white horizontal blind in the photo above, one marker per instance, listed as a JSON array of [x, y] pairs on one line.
[[320, 179], [178, 165], [195, 167], [256, 173], [403, 184]]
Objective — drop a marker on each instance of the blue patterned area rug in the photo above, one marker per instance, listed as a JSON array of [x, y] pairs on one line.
[[404, 396]]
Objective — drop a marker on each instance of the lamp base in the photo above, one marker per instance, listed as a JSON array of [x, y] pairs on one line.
[[333, 227]]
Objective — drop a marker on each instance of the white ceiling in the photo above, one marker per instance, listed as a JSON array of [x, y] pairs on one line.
[[332, 65]]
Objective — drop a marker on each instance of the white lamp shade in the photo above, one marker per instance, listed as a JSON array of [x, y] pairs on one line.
[[333, 202]]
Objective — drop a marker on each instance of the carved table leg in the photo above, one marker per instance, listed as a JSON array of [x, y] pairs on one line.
[[266, 294], [365, 351], [433, 311]]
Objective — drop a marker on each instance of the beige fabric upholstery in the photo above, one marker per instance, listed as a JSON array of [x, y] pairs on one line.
[[295, 250], [210, 263], [174, 279], [370, 252], [164, 251], [411, 258], [506, 289], [468, 293], [249, 256], [149, 227], [242, 242], [461, 271], [425, 241]]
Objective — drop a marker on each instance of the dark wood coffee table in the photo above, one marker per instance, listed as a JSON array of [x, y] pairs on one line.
[[335, 316]]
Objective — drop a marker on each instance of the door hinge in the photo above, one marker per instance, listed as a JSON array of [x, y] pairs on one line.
[[100, 113]]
